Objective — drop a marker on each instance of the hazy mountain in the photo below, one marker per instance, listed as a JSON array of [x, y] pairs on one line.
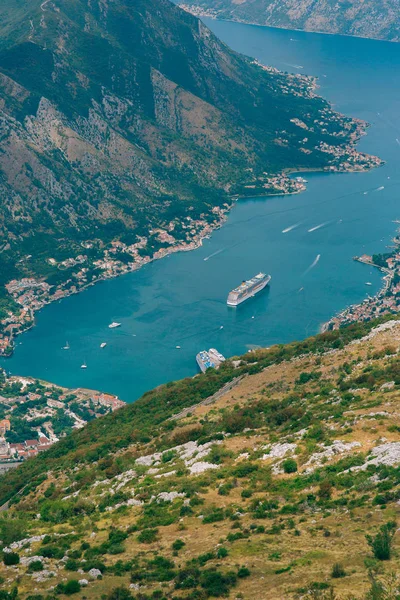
[[366, 18]]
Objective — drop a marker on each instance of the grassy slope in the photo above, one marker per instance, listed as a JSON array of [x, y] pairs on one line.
[[287, 529]]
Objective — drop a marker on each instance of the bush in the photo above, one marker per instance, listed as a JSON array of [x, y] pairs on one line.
[[338, 571], [71, 587], [217, 584], [222, 552], [35, 566], [147, 536], [11, 558], [243, 572], [381, 543], [325, 490], [177, 545], [289, 465]]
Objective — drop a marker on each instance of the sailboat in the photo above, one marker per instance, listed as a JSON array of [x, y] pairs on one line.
[[84, 365], [66, 347]]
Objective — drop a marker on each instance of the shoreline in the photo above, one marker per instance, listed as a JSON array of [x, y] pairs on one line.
[[196, 243], [34, 294], [281, 28]]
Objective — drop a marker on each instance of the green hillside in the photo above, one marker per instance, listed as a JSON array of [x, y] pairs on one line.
[[283, 485]]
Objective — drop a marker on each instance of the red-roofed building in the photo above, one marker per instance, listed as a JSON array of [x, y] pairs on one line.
[[4, 426], [44, 441], [31, 443]]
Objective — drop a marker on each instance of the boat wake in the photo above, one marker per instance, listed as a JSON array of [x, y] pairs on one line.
[[293, 66], [318, 226], [313, 264], [213, 254], [290, 228]]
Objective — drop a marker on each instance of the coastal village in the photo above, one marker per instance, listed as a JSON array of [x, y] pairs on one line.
[[116, 258], [35, 414], [388, 298]]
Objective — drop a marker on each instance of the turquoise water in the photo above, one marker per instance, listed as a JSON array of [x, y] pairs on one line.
[[181, 300]]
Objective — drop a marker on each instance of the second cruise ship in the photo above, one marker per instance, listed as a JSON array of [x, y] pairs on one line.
[[247, 289]]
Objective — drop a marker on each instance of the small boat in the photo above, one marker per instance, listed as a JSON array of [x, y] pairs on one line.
[[368, 283], [221, 327], [66, 347], [103, 344], [113, 325], [84, 366], [178, 347]]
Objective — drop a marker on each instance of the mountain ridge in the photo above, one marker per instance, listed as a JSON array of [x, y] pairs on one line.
[[359, 18]]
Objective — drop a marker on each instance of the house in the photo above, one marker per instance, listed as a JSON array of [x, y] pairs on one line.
[[4, 426], [31, 443]]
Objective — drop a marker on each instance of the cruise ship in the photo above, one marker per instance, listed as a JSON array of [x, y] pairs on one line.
[[209, 359], [247, 289]]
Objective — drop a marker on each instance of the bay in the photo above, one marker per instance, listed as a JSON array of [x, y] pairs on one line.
[[181, 300]]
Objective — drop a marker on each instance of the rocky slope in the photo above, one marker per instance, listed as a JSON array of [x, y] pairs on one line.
[[283, 484], [117, 117], [378, 19]]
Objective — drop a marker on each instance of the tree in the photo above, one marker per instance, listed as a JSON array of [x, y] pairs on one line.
[[381, 543]]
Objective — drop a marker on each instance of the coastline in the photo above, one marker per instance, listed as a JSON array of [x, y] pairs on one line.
[[387, 298], [34, 294], [196, 242], [203, 13]]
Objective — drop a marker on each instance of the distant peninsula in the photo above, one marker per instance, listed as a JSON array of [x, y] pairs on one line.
[[378, 19]]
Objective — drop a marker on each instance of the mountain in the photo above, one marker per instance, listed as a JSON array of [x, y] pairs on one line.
[[130, 121], [378, 19], [276, 476]]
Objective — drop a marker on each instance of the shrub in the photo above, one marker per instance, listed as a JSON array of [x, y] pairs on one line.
[[289, 465], [222, 552], [177, 545], [70, 587], [147, 536], [325, 490], [243, 572], [217, 584], [11, 558], [35, 565], [338, 571], [120, 593], [71, 565], [381, 543]]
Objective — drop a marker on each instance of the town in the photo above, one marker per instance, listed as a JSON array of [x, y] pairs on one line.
[[98, 263], [35, 414], [386, 301]]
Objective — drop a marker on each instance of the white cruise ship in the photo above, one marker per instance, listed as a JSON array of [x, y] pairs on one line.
[[248, 289]]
